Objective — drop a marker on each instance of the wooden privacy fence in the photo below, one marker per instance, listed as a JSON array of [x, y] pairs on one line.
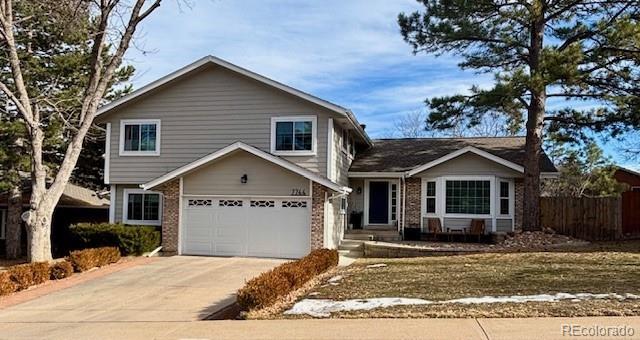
[[593, 219]]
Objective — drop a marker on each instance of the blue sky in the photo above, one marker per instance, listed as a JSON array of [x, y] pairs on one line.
[[348, 52]]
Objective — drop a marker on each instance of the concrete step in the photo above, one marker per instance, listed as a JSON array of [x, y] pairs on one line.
[[351, 246], [351, 253], [362, 237]]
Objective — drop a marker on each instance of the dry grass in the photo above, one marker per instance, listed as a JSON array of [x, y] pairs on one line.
[[604, 268]]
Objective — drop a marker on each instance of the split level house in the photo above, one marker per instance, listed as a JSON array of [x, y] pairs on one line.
[[231, 163]]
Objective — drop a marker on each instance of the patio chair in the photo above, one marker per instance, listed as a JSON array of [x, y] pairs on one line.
[[433, 227], [477, 229]]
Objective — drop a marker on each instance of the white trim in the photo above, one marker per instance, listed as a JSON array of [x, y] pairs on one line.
[[107, 155], [124, 122], [330, 149], [551, 175], [180, 210], [373, 174], [464, 150], [125, 207], [112, 203], [511, 198], [314, 135], [366, 200], [249, 196], [255, 151], [3, 223]]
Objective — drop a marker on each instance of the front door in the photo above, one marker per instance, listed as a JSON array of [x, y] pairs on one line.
[[378, 202]]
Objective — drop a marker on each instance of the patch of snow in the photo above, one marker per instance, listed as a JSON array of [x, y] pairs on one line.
[[314, 293], [377, 265], [324, 308], [335, 279]]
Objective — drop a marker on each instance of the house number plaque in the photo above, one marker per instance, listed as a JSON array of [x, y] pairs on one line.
[[298, 192]]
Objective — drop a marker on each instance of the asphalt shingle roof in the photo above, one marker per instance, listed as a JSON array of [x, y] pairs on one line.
[[395, 155]]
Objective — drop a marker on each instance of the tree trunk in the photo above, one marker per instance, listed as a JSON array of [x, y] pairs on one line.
[[13, 237], [39, 235], [533, 150], [535, 120]]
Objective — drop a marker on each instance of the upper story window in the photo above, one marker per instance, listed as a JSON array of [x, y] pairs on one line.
[[345, 140], [293, 135], [142, 207], [140, 137]]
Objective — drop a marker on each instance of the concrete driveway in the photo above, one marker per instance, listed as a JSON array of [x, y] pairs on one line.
[[179, 288]]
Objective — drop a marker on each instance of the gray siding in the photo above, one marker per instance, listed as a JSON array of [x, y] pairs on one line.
[[205, 112], [503, 224], [120, 199], [223, 178], [342, 161], [470, 164]]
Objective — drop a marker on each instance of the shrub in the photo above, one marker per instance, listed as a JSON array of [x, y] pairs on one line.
[[83, 260], [7, 286], [266, 288], [61, 270], [27, 275], [131, 240]]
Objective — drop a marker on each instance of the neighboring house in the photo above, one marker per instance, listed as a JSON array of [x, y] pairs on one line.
[[229, 162], [628, 177], [77, 204]]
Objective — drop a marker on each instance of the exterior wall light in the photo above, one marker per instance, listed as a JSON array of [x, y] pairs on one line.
[[244, 179]]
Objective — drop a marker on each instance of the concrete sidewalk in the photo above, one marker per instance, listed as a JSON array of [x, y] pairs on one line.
[[531, 328]]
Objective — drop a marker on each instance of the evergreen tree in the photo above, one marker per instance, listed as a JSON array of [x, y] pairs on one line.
[[578, 50]]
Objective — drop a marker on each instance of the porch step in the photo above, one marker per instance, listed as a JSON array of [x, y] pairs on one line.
[[373, 235], [351, 248]]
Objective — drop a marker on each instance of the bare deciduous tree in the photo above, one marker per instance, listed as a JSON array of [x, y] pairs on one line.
[[115, 22]]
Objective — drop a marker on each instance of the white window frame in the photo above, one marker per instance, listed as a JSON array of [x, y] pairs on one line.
[[492, 193], [511, 198], [3, 224], [635, 188], [125, 122], [125, 207], [314, 135], [425, 182]]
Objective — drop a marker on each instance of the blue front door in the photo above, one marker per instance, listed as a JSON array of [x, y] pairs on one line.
[[379, 202]]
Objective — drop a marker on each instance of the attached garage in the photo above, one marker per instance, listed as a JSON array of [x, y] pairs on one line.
[[242, 201], [254, 226]]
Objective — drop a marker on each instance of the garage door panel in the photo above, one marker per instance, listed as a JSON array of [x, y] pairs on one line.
[[262, 226], [197, 238]]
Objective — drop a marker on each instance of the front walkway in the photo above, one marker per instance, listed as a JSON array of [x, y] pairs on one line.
[[179, 288], [468, 329]]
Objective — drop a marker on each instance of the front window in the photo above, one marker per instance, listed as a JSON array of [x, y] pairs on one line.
[[293, 136], [142, 208], [431, 198], [140, 137], [468, 197], [504, 198]]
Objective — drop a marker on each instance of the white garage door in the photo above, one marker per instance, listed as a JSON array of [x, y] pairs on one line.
[[262, 227]]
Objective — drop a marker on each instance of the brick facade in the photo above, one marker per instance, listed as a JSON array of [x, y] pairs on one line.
[[317, 215], [170, 215], [519, 202], [413, 201]]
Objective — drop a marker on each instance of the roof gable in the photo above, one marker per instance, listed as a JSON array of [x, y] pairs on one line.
[[255, 151], [468, 149], [211, 60], [403, 155]]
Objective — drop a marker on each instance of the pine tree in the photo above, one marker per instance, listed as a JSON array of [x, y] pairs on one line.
[[578, 50]]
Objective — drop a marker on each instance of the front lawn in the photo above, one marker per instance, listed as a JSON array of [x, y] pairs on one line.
[[601, 269]]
